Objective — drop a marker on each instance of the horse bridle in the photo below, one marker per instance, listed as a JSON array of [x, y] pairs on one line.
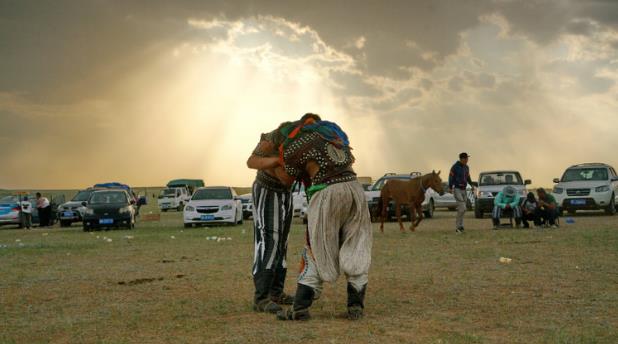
[[423, 189]]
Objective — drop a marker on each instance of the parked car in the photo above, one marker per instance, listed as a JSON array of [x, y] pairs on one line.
[[299, 197], [373, 197], [110, 208], [212, 205], [73, 210], [173, 198], [491, 183], [247, 205], [139, 201], [592, 186], [10, 209]]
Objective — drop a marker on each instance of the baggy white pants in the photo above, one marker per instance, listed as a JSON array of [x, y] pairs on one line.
[[339, 237]]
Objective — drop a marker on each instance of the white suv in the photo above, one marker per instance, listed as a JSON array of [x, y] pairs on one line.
[[173, 198], [587, 187]]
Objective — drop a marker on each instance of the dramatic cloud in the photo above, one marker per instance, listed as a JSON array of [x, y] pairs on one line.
[[148, 91]]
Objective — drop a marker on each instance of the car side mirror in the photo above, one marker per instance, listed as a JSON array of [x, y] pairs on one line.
[[85, 204], [527, 182], [556, 180], [614, 179]]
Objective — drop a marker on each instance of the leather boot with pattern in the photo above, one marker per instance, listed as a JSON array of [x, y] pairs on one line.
[[300, 309], [356, 302]]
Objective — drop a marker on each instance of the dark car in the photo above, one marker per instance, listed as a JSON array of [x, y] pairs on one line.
[[73, 210], [109, 209]]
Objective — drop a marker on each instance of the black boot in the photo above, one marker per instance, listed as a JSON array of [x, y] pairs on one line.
[[302, 301], [356, 302], [277, 294], [263, 281]]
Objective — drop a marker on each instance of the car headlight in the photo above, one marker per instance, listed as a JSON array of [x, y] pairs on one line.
[[226, 207], [604, 188], [558, 190], [89, 211], [189, 208], [125, 210]]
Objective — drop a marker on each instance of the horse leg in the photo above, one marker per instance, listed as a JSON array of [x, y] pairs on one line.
[[412, 218], [420, 215], [398, 214]]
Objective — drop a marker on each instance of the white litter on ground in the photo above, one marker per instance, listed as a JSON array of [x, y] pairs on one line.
[[505, 260], [172, 237], [45, 234], [129, 237], [109, 240], [17, 240]]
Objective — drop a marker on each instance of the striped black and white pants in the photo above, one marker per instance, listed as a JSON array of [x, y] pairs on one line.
[[272, 217]]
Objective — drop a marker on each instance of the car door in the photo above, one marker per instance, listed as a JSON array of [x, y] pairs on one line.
[[614, 182]]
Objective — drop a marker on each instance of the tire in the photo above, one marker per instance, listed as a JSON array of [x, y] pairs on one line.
[[188, 225], [86, 228], [164, 210], [478, 213], [611, 208], [429, 212], [65, 223], [180, 207], [468, 204]]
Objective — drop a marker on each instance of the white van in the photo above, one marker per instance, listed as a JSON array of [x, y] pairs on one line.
[[173, 198]]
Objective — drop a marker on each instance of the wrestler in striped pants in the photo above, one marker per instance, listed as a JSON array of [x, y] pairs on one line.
[[272, 217]]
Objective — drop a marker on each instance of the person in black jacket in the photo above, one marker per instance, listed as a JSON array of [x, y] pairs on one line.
[[458, 181]]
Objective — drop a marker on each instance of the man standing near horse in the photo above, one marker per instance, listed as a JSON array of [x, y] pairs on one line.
[[339, 233], [458, 181], [272, 217]]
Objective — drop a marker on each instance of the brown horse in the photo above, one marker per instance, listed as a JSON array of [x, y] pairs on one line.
[[410, 193]]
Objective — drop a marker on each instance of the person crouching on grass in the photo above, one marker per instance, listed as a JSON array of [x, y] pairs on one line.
[[339, 233], [272, 217]]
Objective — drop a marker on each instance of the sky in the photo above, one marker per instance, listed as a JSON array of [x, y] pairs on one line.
[[143, 92]]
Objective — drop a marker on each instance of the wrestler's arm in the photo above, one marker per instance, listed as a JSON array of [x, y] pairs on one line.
[[258, 162], [285, 178]]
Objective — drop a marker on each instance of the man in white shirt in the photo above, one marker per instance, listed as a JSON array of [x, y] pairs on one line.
[[42, 204], [26, 213]]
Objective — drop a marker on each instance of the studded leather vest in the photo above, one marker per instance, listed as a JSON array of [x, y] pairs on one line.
[[335, 163]]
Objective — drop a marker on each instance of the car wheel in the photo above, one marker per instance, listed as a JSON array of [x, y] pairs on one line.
[[180, 207], [611, 208], [65, 223], [85, 227], [478, 213], [188, 225], [430, 209]]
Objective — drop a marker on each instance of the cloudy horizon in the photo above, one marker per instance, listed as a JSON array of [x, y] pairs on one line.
[[144, 92]]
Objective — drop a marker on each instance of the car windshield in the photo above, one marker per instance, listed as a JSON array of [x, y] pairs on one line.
[[82, 196], [108, 197], [585, 174], [380, 183], [168, 192], [212, 194], [501, 178]]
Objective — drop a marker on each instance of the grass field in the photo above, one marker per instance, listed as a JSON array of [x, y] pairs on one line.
[[169, 284]]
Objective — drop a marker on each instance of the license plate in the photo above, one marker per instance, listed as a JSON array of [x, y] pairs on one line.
[[106, 221], [578, 202], [207, 217], [67, 214]]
